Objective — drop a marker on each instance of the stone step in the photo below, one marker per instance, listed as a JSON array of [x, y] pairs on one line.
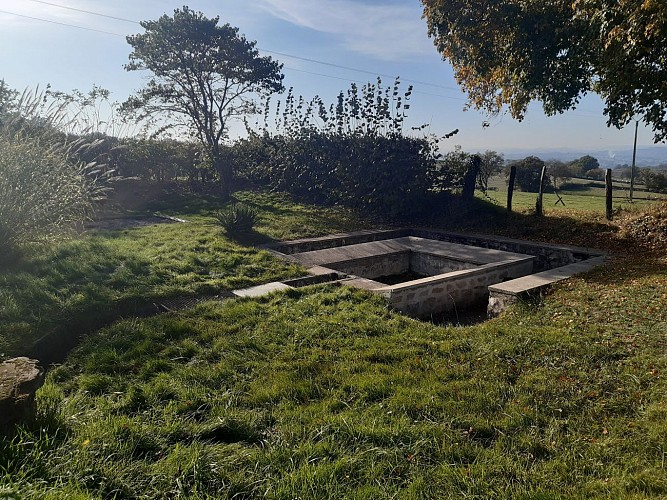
[[260, 290], [501, 295]]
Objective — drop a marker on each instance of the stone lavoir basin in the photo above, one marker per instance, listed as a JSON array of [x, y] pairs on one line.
[[425, 273]]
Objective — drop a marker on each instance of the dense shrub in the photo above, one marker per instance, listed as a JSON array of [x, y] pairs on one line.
[[147, 158], [159, 159], [388, 174], [128, 147], [352, 153], [528, 172]]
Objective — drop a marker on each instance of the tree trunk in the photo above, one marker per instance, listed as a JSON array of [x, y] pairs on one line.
[[224, 169]]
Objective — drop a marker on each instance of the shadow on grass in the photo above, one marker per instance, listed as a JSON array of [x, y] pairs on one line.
[[187, 203], [138, 196], [630, 257], [574, 187], [563, 229], [272, 207], [320, 219], [251, 238], [628, 270], [10, 259]]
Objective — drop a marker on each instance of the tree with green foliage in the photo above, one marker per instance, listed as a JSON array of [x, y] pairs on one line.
[[511, 52], [559, 172], [491, 164], [451, 169], [582, 165], [596, 174], [528, 172], [203, 75], [655, 181]]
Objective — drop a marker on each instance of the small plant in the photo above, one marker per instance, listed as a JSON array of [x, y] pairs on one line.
[[237, 218]]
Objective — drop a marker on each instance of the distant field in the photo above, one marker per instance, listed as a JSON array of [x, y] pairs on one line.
[[580, 194]]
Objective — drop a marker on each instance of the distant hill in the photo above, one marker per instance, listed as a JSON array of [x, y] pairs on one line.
[[647, 156]]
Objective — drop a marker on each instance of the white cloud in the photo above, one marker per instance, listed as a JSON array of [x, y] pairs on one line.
[[386, 31]]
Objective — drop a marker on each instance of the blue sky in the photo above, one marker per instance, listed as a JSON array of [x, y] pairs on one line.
[[386, 37]]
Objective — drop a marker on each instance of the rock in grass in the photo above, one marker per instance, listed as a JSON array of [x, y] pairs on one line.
[[19, 380]]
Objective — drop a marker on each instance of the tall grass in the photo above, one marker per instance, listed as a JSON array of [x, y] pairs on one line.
[[44, 190]]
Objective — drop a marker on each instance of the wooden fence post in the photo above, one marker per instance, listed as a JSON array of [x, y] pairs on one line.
[[608, 194], [510, 187], [540, 193]]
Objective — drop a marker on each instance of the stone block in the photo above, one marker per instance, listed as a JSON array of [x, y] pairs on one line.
[[19, 380]]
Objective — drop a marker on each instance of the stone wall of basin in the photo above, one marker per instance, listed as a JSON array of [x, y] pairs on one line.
[[440, 294], [547, 256], [431, 265], [337, 240], [378, 265], [400, 262]]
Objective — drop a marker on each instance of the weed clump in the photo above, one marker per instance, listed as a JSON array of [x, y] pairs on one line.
[[237, 218]]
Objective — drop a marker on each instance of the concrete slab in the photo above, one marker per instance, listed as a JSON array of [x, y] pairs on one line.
[[349, 252], [258, 291], [454, 251], [364, 284], [533, 282], [319, 271], [334, 240], [502, 295]]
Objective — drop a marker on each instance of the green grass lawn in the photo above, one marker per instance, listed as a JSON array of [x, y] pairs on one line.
[[324, 392], [81, 283]]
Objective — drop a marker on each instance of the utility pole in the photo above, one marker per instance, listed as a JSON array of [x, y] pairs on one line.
[[634, 157]]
